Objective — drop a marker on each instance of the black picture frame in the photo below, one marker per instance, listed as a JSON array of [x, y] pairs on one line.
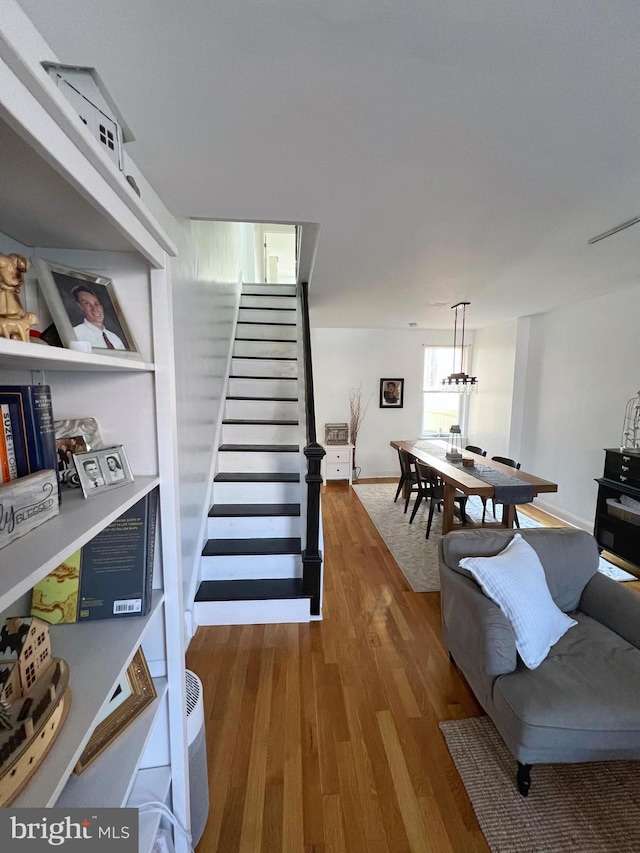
[[391, 393]]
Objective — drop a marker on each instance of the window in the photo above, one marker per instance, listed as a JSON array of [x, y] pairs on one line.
[[440, 409], [30, 674]]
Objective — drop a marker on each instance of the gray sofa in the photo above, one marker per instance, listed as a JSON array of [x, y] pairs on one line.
[[583, 702]]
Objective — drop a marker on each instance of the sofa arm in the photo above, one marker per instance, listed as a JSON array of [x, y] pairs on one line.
[[475, 630], [610, 603]]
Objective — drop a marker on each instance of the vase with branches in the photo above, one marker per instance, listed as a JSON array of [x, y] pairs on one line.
[[357, 411]]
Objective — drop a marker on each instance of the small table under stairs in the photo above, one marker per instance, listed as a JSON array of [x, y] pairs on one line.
[[338, 463]]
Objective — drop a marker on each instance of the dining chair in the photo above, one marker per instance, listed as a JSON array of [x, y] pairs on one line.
[[473, 448], [431, 487], [408, 477], [512, 464]]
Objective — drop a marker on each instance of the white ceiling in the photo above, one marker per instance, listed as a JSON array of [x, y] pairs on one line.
[[449, 149]]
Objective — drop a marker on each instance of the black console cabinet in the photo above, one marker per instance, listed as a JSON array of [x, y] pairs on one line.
[[621, 477]]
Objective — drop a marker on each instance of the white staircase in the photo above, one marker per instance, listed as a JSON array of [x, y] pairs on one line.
[[251, 568]]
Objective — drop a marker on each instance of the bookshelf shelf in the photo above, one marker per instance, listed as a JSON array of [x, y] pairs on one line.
[[63, 199], [17, 355], [82, 647], [27, 560]]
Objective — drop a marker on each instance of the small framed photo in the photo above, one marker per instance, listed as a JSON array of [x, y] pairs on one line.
[[103, 469], [391, 393], [134, 691], [75, 435], [84, 308]]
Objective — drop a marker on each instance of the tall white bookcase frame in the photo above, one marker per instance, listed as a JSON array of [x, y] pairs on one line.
[[50, 163]]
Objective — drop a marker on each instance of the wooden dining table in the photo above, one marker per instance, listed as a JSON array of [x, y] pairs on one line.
[[458, 478]]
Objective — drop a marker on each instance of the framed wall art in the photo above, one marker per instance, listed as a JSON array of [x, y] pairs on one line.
[[391, 393], [84, 307], [133, 693]]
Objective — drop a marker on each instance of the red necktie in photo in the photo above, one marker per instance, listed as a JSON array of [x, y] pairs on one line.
[[107, 341]]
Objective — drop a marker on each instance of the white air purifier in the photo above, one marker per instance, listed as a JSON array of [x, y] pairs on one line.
[[198, 775]]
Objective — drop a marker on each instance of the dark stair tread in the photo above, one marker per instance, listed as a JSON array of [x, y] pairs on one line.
[[263, 307], [260, 421], [262, 322], [263, 590], [266, 399], [253, 510], [246, 547], [269, 340], [267, 357], [260, 448], [269, 295], [257, 477], [270, 378]]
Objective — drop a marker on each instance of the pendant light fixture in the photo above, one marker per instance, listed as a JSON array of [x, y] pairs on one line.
[[461, 382]]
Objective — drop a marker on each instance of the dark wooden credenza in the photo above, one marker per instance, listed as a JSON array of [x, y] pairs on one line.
[[621, 476]]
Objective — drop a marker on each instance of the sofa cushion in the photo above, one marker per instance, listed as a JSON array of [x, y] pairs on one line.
[[582, 703], [516, 581], [569, 556]]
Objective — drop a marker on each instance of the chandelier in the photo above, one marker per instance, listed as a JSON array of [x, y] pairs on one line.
[[459, 383]]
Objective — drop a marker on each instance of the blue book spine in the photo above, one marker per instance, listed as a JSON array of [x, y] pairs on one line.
[[33, 427]]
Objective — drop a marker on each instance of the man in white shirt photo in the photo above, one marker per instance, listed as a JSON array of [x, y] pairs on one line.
[[93, 329]]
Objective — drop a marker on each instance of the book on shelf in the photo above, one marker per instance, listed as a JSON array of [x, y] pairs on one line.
[[110, 576], [8, 464], [32, 427]]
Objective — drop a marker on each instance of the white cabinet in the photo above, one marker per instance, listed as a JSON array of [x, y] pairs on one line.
[[338, 462], [61, 198]]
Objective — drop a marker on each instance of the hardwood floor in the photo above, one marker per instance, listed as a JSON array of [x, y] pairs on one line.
[[323, 737]]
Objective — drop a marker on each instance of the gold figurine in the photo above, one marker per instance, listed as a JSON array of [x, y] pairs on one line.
[[14, 320]]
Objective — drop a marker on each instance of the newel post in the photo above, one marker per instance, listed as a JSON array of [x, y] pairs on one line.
[[311, 557]]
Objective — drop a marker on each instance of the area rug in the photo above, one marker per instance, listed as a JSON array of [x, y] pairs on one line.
[[571, 808], [416, 556]]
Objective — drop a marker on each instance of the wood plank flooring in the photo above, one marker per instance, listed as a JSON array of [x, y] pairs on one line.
[[323, 738]]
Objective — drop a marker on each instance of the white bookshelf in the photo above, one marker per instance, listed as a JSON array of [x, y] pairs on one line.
[[62, 198]]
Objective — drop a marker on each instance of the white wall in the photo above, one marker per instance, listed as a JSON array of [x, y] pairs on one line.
[[212, 258], [490, 412], [583, 366], [346, 358]]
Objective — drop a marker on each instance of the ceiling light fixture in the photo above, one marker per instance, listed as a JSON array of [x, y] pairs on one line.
[[615, 230], [459, 383]]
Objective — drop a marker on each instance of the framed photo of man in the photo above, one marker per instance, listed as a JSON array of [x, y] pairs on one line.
[[84, 308], [391, 393]]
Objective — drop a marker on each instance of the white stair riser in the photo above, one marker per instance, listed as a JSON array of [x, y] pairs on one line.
[[260, 434], [251, 612], [265, 332], [267, 289], [260, 493], [264, 367], [261, 409], [253, 527], [252, 462], [257, 315], [266, 301], [263, 388], [251, 567], [265, 349]]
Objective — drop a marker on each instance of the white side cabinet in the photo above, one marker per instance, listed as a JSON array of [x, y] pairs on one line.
[[338, 462], [64, 200]]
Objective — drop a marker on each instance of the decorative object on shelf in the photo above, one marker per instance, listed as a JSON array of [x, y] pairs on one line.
[[391, 393], [631, 425], [110, 576], [34, 692], [336, 433], [103, 469], [15, 322], [454, 446], [132, 694], [75, 435], [356, 416], [84, 307], [26, 503], [460, 382]]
